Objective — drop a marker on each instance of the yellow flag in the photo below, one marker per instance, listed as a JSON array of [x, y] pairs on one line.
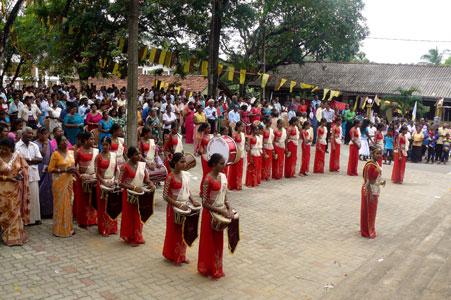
[[178, 89], [121, 44], [166, 84], [204, 68], [146, 49], [4, 8], [186, 66], [220, 67], [71, 30], [167, 61], [153, 52], [162, 57], [306, 86], [292, 85], [190, 95], [356, 102], [231, 73], [242, 76], [325, 93], [282, 82], [333, 94], [315, 88], [116, 66], [265, 78], [377, 100], [364, 103]]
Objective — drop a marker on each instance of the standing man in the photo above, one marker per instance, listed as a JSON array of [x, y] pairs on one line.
[[349, 118], [30, 113], [277, 105], [234, 115], [316, 102], [442, 131], [30, 151], [329, 115], [210, 113]]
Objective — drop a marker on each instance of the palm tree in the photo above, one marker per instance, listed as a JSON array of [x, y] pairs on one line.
[[433, 57], [405, 101]]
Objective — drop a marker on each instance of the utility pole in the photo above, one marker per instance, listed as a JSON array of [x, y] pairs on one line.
[[132, 74], [264, 58]]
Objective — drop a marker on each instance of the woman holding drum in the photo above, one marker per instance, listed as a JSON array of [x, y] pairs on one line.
[[150, 155], [106, 167], [280, 135], [321, 133], [268, 138], [205, 130], [235, 176], [133, 179], [291, 151], [259, 137], [118, 144], [173, 144], [335, 143], [307, 139], [176, 193], [215, 205], [253, 158], [86, 183], [354, 147]]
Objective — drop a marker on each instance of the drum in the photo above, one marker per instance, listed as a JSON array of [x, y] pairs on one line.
[[113, 203], [219, 222], [195, 210], [180, 214], [225, 146], [190, 161], [88, 185], [158, 174], [132, 196]]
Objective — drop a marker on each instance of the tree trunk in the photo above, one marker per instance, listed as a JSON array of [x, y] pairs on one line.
[[213, 48], [5, 67], [16, 74], [7, 28], [242, 90], [132, 72]]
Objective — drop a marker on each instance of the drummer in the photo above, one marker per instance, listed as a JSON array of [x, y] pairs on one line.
[[118, 144], [106, 166], [205, 130], [235, 174], [85, 161], [214, 199], [253, 158], [225, 132], [173, 144], [133, 177], [149, 150], [176, 193]]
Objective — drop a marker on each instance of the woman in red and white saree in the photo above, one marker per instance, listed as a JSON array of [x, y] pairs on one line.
[[307, 139], [354, 147], [176, 193], [214, 200], [370, 194], [133, 177], [291, 152], [321, 142], [379, 139], [173, 144], [268, 149], [118, 144], [280, 135], [399, 166], [85, 159], [335, 144], [259, 137], [106, 166], [253, 158], [235, 176], [205, 130]]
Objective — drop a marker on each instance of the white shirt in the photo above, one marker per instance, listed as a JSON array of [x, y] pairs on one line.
[[209, 113], [164, 105], [169, 118], [30, 152], [44, 106], [371, 131], [55, 113]]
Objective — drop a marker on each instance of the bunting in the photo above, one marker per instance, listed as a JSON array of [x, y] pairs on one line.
[[315, 88], [292, 85], [242, 76], [357, 100], [204, 68], [377, 100], [121, 44], [326, 91], [364, 102], [144, 55], [162, 58], [220, 67], [168, 58], [306, 86], [153, 52], [265, 78], [231, 73], [333, 94], [280, 83]]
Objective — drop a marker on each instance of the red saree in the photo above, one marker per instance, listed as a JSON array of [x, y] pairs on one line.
[[368, 207], [292, 157], [235, 175], [305, 153], [131, 225], [318, 165], [252, 169], [86, 214], [105, 225], [399, 165], [267, 154], [334, 162], [278, 159], [174, 248], [353, 161], [205, 168], [211, 241]]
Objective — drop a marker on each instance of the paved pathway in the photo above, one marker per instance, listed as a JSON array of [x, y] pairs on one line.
[[297, 236]]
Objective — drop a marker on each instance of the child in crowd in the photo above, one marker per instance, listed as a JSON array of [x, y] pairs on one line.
[[431, 141], [445, 150], [388, 148]]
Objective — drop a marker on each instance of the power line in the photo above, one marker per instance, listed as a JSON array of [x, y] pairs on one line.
[[407, 40]]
